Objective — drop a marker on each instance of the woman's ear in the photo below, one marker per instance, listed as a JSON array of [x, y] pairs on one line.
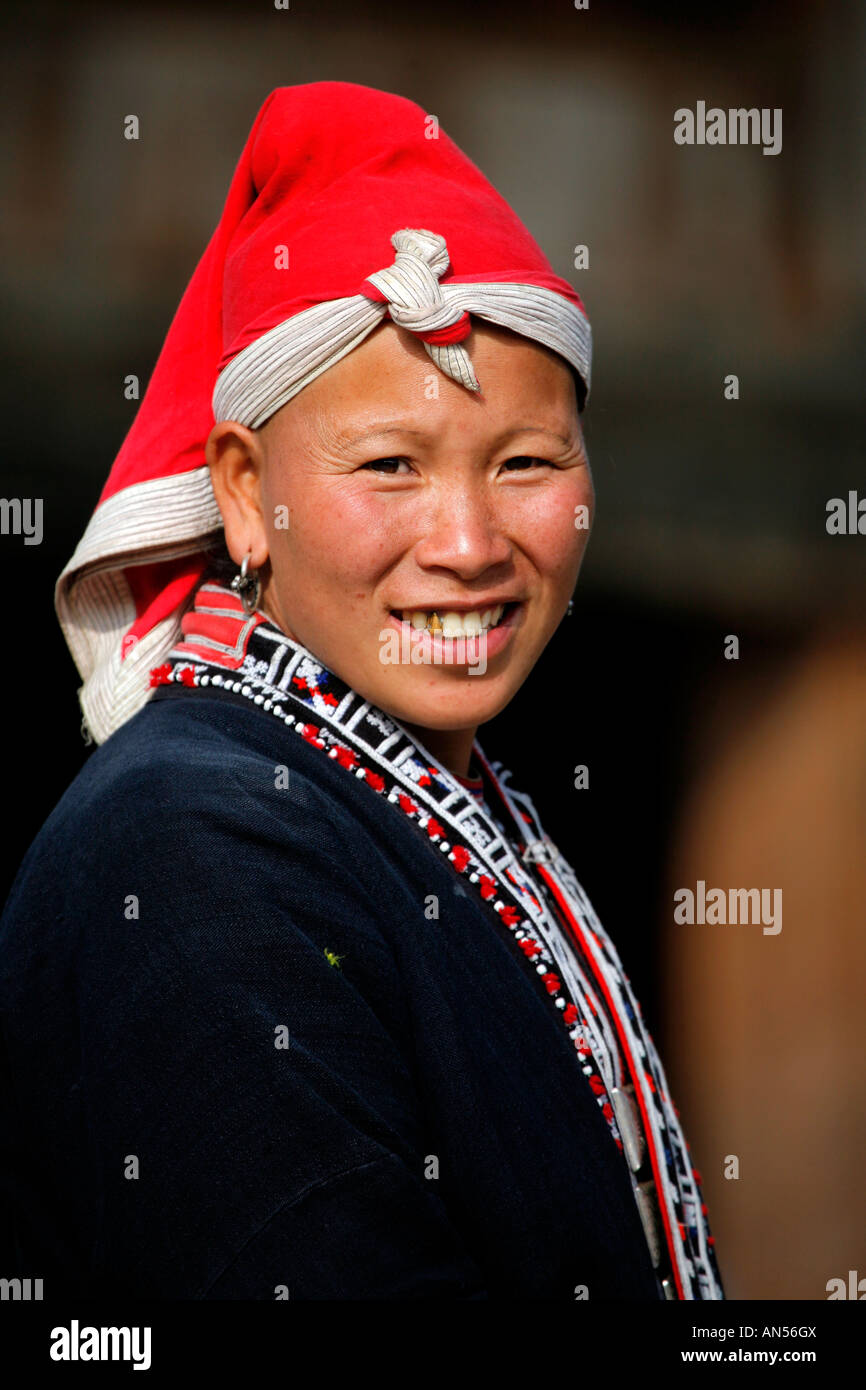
[[235, 458]]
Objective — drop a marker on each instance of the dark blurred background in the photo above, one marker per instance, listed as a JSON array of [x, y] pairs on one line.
[[703, 262]]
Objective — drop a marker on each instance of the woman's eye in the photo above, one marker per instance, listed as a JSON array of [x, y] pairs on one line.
[[387, 465], [523, 461]]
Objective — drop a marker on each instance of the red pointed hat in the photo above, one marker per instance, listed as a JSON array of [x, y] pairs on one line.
[[348, 205]]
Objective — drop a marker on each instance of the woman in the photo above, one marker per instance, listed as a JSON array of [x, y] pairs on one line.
[[299, 1000]]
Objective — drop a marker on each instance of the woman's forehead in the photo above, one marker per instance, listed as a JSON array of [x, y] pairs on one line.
[[389, 383]]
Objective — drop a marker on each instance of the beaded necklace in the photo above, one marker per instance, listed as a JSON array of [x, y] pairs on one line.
[[516, 871]]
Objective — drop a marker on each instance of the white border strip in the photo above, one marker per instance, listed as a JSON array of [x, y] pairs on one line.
[[161, 519]]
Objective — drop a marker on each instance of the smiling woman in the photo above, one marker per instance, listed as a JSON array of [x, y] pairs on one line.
[[298, 998]]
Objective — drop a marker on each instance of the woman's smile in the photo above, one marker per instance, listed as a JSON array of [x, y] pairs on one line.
[[455, 638], [450, 621]]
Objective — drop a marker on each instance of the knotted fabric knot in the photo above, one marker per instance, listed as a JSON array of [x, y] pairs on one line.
[[410, 288]]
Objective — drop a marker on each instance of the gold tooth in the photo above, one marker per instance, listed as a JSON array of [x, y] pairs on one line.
[[433, 623]]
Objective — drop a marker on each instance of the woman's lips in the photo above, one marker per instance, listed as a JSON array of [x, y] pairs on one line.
[[459, 651]]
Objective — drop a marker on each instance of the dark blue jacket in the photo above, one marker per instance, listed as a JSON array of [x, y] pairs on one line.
[[426, 1133]]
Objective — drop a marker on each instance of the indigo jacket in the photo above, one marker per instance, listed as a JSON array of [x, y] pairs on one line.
[[241, 1058]]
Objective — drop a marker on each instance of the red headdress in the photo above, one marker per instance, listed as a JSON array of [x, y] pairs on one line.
[[348, 205]]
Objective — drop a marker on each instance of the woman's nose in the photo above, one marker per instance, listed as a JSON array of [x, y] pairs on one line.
[[463, 534]]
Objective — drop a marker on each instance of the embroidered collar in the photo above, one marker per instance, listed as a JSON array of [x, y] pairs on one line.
[[514, 868]]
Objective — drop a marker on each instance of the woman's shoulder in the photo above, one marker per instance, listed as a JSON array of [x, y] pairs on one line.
[[182, 853], [201, 789], [202, 756]]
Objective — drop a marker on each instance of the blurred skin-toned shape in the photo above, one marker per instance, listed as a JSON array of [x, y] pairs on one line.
[[777, 1021]]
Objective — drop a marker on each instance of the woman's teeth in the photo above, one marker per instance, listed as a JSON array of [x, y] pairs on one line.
[[455, 624]]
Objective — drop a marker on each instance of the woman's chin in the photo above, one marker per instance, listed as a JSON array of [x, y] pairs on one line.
[[448, 710]]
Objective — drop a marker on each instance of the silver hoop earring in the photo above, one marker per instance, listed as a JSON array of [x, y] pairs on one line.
[[247, 586]]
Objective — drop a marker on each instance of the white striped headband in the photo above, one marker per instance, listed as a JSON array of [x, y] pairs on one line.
[[267, 373]]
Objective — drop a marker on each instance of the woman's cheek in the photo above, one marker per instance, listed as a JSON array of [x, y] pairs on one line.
[[323, 529], [375, 525], [581, 510], [555, 532]]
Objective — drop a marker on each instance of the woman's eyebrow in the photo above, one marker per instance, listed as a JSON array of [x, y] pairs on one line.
[[566, 439], [378, 429]]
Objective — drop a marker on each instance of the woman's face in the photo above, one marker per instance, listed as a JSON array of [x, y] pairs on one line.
[[387, 493]]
